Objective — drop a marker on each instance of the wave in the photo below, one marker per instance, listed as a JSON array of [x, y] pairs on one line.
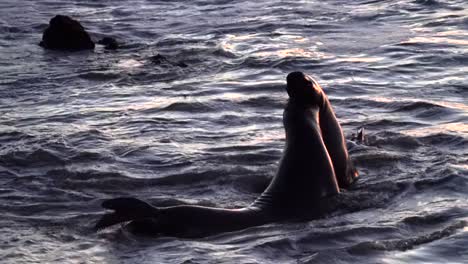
[[419, 109], [405, 244], [431, 219], [118, 182], [451, 182], [12, 135], [391, 140], [256, 158], [263, 102], [445, 140], [412, 106], [236, 148], [389, 123], [192, 107], [430, 3], [378, 158], [36, 157], [80, 128], [100, 76]]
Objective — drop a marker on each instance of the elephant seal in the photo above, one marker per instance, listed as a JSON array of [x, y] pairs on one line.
[[315, 164]]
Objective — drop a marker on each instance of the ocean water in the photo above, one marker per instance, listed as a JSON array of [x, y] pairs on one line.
[[79, 128]]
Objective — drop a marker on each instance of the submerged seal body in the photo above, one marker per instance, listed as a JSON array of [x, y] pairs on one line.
[[315, 164]]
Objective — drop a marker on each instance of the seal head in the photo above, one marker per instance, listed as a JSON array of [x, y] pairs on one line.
[[302, 88]]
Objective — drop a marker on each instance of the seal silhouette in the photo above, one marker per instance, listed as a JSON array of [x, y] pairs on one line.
[[314, 165]]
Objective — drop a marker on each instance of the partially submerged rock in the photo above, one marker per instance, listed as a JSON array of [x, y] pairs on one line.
[[109, 43], [160, 59], [65, 33]]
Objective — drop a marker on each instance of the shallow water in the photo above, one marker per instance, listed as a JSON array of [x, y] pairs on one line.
[[78, 128]]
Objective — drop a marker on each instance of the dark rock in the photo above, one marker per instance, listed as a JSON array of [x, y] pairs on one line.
[[109, 43], [159, 59], [65, 33], [182, 64]]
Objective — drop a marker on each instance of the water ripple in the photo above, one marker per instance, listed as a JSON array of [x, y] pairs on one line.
[[204, 126]]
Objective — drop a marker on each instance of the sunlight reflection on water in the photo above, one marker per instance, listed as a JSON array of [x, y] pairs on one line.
[[79, 128], [129, 64]]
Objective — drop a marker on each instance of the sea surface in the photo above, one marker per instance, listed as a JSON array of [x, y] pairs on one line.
[[205, 126]]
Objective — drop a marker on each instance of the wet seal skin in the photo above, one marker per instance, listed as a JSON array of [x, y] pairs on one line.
[[314, 166]]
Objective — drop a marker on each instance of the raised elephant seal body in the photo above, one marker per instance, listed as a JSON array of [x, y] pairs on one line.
[[305, 174], [305, 177], [315, 160]]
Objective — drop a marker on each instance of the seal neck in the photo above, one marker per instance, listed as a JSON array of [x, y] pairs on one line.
[[306, 102]]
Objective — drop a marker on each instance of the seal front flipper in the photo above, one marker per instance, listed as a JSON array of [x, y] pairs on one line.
[[110, 220], [126, 209]]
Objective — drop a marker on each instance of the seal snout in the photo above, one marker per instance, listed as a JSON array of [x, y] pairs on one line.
[[301, 87], [295, 78]]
